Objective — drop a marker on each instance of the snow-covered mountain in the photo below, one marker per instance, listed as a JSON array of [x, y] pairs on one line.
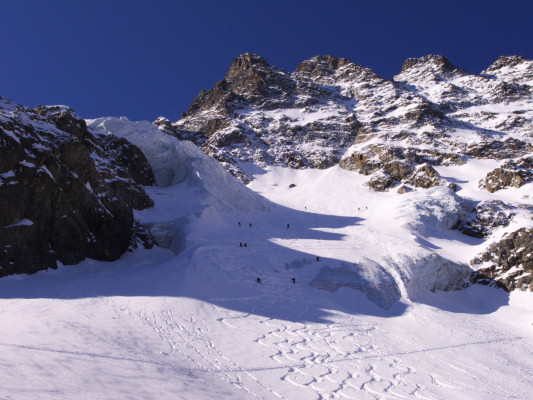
[[399, 134], [331, 111], [333, 252]]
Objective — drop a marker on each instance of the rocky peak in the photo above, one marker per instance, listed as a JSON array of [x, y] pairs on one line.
[[250, 74], [64, 118], [164, 124], [246, 63], [453, 88], [319, 66], [436, 62], [516, 70], [249, 80], [431, 69], [506, 61], [332, 70]]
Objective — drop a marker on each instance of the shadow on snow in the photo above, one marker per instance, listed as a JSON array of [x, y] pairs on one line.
[[222, 273]]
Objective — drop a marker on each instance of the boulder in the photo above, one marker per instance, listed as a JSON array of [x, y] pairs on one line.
[[381, 181]]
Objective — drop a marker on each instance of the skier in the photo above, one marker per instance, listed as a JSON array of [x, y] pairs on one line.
[[293, 280], [258, 280], [239, 223], [240, 244], [317, 258], [245, 245], [250, 224], [288, 226]]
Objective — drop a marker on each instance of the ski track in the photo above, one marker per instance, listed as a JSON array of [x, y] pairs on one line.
[[348, 358], [192, 340], [283, 341], [319, 359]]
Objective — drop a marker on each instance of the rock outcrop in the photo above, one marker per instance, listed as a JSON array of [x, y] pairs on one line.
[[487, 216], [507, 263], [64, 194], [512, 173]]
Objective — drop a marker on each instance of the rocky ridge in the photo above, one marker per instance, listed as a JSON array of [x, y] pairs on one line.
[[330, 110], [65, 194]]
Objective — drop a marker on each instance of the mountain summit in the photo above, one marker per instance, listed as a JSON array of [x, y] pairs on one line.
[[330, 111]]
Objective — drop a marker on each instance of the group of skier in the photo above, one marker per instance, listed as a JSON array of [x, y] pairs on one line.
[[239, 223], [293, 280], [241, 244]]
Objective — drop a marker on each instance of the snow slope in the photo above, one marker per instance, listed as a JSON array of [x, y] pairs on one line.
[[360, 322], [174, 161]]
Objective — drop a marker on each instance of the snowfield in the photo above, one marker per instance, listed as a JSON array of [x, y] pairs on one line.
[[366, 316]]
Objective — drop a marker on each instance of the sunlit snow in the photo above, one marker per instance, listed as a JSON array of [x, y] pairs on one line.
[[364, 318]]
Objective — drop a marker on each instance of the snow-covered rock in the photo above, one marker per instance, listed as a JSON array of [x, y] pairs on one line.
[[438, 207], [507, 263]]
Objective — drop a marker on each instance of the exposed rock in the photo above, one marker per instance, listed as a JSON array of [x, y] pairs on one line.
[[505, 61], [141, 237], [513, 173], [395, 172], [425, 176], [486, 216], [74, 192], [509, 148], [396, 165], [438, 64], [165, 125], [404, 189], [361, 162], [507, 263], [263, 114], [331, 110], [380, 181], [506, 67], [252, 77], [423, 115], [430, 113]]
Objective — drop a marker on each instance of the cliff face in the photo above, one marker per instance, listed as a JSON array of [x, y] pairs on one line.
[[64, 194]]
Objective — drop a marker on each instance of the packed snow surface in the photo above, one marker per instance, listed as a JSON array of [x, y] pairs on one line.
[[366, 316]]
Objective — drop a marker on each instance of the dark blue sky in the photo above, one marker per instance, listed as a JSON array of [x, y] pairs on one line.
[[142, 59]]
